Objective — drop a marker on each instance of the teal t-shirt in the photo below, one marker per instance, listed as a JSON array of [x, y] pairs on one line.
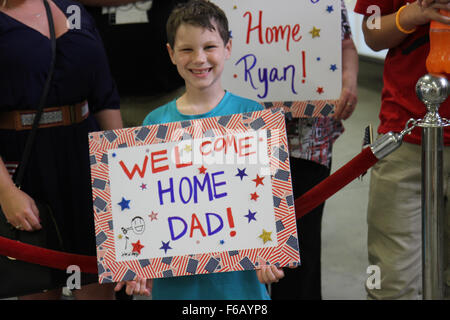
[[230, 104], [240, 285]]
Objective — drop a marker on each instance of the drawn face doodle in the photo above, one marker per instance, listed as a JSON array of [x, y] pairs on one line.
[[138, 225]]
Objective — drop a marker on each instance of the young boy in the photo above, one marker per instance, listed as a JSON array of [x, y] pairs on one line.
[[199, 44]]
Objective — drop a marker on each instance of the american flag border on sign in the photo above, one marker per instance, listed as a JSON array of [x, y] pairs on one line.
[[286, 253]]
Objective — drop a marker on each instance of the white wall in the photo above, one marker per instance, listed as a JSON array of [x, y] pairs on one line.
[[358, 37]]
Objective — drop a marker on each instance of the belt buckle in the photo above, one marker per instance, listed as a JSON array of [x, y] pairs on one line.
[[73, 113]]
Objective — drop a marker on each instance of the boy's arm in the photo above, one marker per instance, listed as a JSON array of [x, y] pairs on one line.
[[412, 16]]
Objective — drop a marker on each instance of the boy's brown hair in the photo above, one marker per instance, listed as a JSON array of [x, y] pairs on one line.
[[201, 13]]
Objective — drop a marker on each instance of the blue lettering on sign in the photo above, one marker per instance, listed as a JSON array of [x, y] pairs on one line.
[[171, 227], [178, 226], [208, 223], [161, 191], [198, 185], [181, 191], [265, 75], [215, 185], [247, 74], [189, 188]]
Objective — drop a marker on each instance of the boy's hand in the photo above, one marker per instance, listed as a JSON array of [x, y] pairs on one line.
[[139, 286], [269, 274]]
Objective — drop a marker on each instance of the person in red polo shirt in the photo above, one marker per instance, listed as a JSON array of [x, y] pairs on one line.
[[394, 208]]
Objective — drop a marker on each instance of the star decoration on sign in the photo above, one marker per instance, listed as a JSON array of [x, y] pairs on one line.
[[250, 216], [137, 247], [188, 148], [265, 236], [124, 204], [241, 173], [143, 186], [153, 216], [165, 246], [333, 67], [254, 196], [202, 170], [258, 180], [319, 90], [315, 32], [330, 9]]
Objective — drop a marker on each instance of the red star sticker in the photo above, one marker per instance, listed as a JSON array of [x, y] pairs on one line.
[[202, 170], [258, 180], [137, 246], [153, 216], [319, 90], [254, 196]]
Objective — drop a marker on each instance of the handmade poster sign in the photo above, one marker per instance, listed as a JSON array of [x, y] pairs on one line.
[[200, 196], [286, 53]]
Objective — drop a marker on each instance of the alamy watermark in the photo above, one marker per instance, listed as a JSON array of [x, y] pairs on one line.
[[74, 18], [374, 20], [73, 281], [374, 279]]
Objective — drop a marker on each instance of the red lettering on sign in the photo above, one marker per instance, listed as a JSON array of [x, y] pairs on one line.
[[140, 171], [195, 224], [155, 160], [272, 33]]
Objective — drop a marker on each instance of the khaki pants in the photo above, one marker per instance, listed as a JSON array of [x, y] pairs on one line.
[[395, 225]]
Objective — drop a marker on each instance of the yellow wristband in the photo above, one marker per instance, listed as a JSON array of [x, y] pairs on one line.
[[397, 22]]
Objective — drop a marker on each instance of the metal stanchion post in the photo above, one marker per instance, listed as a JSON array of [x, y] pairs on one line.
[[432, 90]]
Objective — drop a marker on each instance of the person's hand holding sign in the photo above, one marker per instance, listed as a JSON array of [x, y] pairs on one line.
[[139, 286], [269, 274]]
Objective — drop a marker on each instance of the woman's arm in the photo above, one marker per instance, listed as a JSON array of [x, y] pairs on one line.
[[19, 208], [109, 119], [349, 93]]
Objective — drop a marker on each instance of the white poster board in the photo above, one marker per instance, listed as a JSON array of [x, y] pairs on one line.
[[190, 197], [284, 50], [193, 197]]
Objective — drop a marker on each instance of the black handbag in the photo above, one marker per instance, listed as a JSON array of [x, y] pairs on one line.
[[19, 278]]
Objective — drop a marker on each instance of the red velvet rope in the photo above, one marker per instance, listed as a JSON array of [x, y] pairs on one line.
[[304, 204], [46, 257], [335, 182]]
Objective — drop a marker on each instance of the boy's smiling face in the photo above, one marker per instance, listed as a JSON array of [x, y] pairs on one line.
[[199, 55]]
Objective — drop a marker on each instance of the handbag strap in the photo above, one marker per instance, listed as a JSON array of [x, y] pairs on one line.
[[42, 101]]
